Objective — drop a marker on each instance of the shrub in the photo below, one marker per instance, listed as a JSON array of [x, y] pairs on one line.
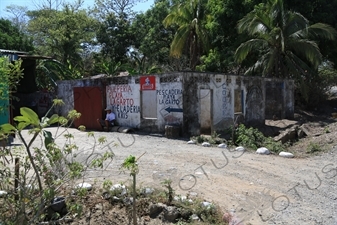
[[313, 147], [46, 170], [253, 138]]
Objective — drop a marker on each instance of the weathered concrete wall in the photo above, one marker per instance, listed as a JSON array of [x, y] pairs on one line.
[[66, 93], [280, 101], [198, 102], [169, 95], [38, 101], [146, 109], [124, 97], [254, 100], [289, 99], [191, 109]]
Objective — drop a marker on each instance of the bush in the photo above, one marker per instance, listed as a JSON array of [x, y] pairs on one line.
[[213, 139], [313, 147], [47, 170], [252, 138]]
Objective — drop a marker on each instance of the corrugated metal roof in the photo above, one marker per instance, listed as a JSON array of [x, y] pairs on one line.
[[14, 55], [13, 51]]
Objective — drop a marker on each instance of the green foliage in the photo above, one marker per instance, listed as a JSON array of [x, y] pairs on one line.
[[108, 67], [295, 55], [249, 137], [130, 164], [252, 138], [153, 39], [46, 170], [222, 17], [312, 91], [10, 75], [11, 38], [214, 138], [169, 192], [190, 18], [274, 146], [210, 214], [49, 71], [326, 130], [140, 65], [314, 147], [107, 184], [115, 36], [63, 34]]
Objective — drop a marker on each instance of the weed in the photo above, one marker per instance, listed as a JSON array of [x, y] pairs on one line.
[[313, 147], [208, 214], [326, 130], [274, 146], [213, 139], [248, 137], [170, 192], [253, 138], [50, 166]]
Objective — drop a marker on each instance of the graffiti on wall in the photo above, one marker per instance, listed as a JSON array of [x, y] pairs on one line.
[[255, 104], [169, 96], [224, 103], [171, 101], [121, 99], [43, 103]]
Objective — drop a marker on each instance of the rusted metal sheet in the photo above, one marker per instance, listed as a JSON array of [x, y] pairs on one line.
[[89, 102]]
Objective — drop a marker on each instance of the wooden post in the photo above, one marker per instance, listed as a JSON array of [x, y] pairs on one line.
[[17, 175]]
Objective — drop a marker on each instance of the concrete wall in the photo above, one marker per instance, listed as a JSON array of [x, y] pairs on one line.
[[66, 93], [198, 102], [123, 96], [40, 102]]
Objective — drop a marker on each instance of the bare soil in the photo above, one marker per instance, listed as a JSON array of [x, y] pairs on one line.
[[255, 189]]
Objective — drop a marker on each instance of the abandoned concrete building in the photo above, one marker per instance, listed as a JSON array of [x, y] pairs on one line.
[[199, 103]]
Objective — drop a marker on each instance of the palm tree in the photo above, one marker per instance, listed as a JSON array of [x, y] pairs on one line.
[[282, 41], [190, 19]]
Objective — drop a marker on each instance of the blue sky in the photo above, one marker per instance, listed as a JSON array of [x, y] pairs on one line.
[[142, 6]]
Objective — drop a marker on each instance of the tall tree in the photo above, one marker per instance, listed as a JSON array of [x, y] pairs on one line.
[[104, 8], [49, 4], [11, 38], [190, 17], [62, 34], [322, 11], [221, 22], [18, 16], [153, 39], [115, 37], [282, 40]]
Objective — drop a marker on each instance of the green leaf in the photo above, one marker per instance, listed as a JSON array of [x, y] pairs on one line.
[[22, 119], [22, 125], [53, 119], [7, 128], [30, 115], [48, 138]]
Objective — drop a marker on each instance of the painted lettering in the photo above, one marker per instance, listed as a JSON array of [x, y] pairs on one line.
[[169, 96], [121, 99]]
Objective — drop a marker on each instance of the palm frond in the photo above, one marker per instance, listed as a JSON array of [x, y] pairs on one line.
[[179, 41], [323, 31], [245, 48]]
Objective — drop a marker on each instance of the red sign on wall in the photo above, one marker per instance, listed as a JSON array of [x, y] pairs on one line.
[[147, 83]]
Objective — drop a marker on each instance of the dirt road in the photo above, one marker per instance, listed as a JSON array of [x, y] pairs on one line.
[[258, 189]]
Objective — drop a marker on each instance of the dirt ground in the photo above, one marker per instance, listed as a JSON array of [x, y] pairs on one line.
[[256, 189]]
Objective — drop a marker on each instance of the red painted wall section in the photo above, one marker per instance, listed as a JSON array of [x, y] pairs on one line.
[[89, 102]]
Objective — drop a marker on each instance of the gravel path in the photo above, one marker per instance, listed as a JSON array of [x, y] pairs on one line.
[[258, 189]]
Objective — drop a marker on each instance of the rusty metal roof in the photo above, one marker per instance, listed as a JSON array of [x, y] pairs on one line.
[[20, 54]]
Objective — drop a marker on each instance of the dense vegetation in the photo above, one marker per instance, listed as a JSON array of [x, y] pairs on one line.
[[275, 38]]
